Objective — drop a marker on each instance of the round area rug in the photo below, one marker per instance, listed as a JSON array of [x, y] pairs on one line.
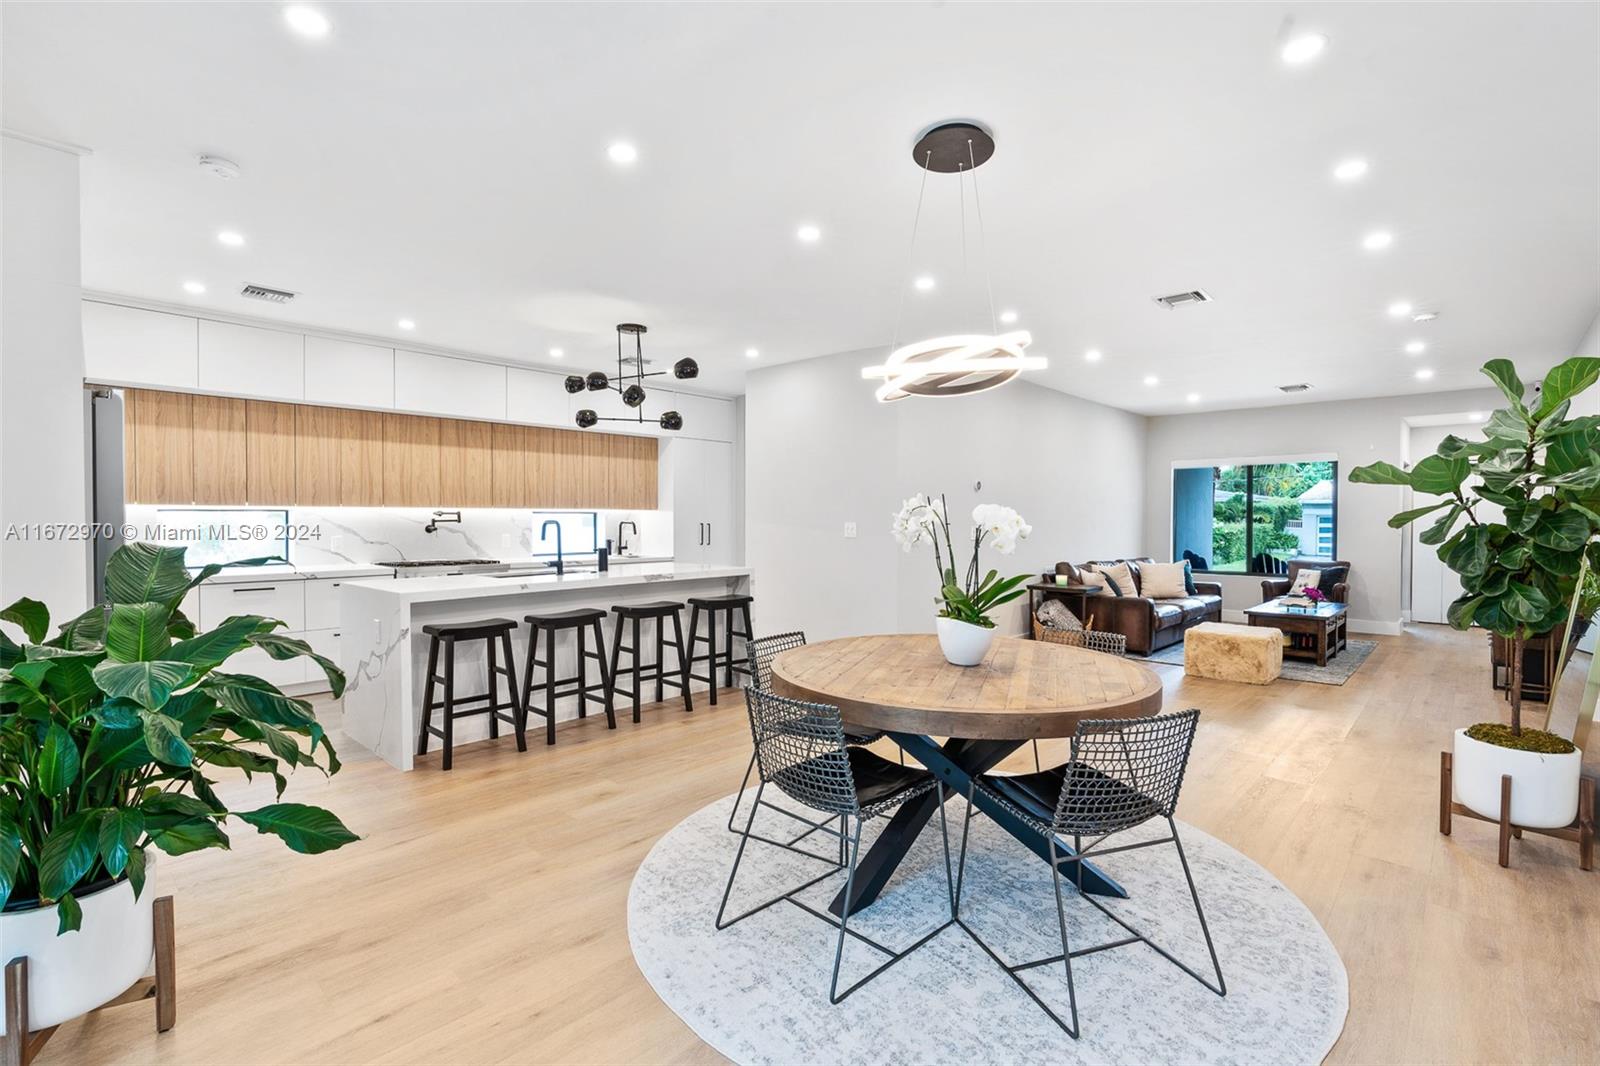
[[758, 990]]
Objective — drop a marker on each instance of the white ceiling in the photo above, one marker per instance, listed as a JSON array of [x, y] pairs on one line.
[[447, 163]]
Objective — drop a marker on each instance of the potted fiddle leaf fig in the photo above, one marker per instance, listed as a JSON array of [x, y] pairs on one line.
[[1521, 572], [112, 732]]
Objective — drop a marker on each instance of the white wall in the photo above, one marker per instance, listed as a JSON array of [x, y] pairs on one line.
[[42, 467], [1356, 432], [821, 452]]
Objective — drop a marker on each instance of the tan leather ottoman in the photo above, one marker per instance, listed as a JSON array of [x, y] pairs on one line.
[[1225, 651]]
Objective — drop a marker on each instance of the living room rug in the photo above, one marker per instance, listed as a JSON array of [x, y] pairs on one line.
[[1340, 668], [757, 991]]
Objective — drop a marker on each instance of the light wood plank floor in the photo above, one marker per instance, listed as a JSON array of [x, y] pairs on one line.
[[482, 918]]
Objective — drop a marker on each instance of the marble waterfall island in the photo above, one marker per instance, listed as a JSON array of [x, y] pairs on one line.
[[385, 653]]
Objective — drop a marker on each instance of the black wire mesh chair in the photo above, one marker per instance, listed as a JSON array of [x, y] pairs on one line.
[[762, 651], [1089, 639], [1122, 773], [801, 750]]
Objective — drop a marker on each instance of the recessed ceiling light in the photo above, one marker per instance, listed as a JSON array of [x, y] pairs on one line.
[[306, 20], [1351, 170], [1008, 316], [1425, 316], [1193, 397], [752, 353], [623, 154], [556, 353], [406, 323], [1303, 48], [1092, 355], [1377, 240], [809, 234], [193, 288], [1424, 374], [1400, 309], [1151, 379], [231, 238], [924, 284], [1415, 348]]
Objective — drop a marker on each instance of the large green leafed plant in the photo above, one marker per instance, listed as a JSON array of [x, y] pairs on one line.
[[1519, 574], [111, 730]]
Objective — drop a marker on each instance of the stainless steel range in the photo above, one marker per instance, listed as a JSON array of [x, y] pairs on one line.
[[443, 567]]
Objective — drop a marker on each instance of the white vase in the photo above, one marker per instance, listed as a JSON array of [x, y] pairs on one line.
[[963, 643], [72, 974], [1544, 788]]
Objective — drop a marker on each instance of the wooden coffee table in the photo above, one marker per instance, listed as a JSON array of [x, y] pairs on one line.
[[1316, 634]]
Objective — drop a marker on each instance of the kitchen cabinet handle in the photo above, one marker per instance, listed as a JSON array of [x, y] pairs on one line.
[[708, 534], [258, 588], [702, 534]]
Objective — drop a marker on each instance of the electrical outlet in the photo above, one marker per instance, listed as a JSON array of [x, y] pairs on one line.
[[505, 540], [849, 531], [338, 543]]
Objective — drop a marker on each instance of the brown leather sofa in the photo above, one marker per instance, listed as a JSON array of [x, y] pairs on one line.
[[1334, 583], [1149, 624]]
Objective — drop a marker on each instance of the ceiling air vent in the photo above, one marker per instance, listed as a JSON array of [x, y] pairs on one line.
[[1179, 299], [1302, 387], [261, 292]]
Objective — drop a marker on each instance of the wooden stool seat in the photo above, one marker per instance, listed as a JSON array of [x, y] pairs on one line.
[[585, 621], [658, 611], [493, 632]]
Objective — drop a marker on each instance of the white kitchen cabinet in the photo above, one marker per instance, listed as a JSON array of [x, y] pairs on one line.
[[267, 364], [283, 599], [322, 603], [349, 374], [129, 345], [438, 385], [705, 417], [702, 492], [538, 398]]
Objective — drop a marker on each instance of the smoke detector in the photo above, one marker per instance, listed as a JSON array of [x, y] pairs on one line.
[[1180, 299], [1301, 387], [261, 292], [225, 169]]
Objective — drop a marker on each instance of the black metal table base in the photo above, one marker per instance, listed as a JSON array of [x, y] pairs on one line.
[[955, 764]]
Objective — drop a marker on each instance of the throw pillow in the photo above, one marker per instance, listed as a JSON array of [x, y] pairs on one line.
[[1188, 579], [1120, 576], [1054, 614], [1163, 581], [1331, 576], [1068, 571], [1093, 579], [1303, 580]]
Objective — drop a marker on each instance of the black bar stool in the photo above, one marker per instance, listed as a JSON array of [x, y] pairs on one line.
[[712, 606], [491, 631], [659, 612], [583, 620]]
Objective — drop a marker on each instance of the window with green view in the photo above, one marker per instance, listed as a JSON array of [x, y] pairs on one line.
[[1251, 518]]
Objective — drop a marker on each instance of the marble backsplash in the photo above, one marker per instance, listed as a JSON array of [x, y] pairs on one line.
[[333, 536]]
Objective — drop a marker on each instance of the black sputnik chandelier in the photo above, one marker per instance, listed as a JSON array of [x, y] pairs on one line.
[[629, 384]]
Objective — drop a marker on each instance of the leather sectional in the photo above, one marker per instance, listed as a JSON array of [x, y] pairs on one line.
[[1149, 624]]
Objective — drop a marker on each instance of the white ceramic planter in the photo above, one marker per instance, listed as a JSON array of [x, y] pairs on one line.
[[72, 974], [963, 643], [1544, 788]]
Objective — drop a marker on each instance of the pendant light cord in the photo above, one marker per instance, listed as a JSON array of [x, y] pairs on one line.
[[900, 305], [983, 239]]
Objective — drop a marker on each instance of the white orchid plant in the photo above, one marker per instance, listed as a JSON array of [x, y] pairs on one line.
[[923, 518]]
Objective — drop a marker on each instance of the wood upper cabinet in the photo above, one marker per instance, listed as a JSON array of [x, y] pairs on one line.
[[360, 457], [230, 452], [466, 460], [270, 453], [159, 438], [316, 457], [220, 461], [410, 461]]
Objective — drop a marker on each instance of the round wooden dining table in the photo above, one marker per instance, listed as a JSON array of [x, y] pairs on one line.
[[1023, 690]]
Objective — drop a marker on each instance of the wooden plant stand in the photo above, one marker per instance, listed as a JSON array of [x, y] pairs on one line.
[[1581, 831], [19, 1046]]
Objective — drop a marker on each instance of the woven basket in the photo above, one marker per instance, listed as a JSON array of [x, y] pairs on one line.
[[1094, 640]]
